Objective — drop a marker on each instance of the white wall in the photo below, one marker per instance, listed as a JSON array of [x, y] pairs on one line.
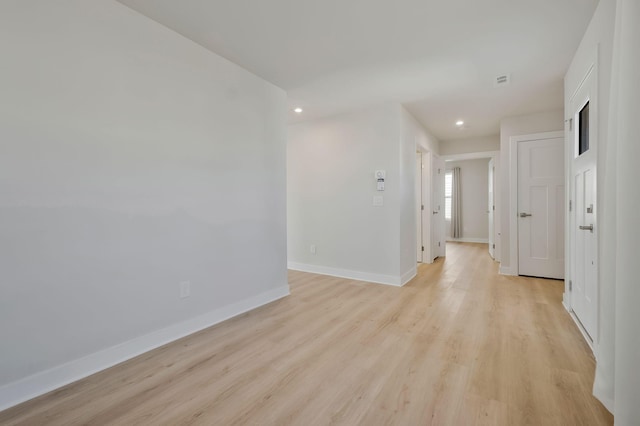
[[331, 185], [464, 146], [474, 182], [615, 34], [547, 121], [598, 42], [625, 112], [132, 159]]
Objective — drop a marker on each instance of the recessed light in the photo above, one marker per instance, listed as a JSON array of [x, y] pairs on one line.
[[298, 110], [459, 123]]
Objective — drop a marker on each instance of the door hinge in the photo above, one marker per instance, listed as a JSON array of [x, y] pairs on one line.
[[494, 246], [438, 243], [422, 208], [570, 124], [438, 171], [570, 205], [422, 248], [570, 285], [494, 208]]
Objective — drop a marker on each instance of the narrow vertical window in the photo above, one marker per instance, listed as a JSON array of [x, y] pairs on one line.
[[583, 129], [448, 179]]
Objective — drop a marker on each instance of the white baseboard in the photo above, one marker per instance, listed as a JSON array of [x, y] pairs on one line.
[[506, 270], [40, 383], [469, 240], [409, 275], [565, 301], [348, 273], [606, 401], [584, 333]]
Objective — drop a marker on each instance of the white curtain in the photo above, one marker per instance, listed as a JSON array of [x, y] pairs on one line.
[[456, 204], [617, 382]]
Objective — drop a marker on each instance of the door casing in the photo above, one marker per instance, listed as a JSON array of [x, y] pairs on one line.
[[493, 156], [438, 239], [541, 175], [513, 191], [419, 203], [491, 208], [424, 192], [587, 90]]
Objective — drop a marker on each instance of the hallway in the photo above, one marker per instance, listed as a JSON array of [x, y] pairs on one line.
[[458, 345]]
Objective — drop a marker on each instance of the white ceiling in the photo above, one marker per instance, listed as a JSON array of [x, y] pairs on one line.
[[437, 57]]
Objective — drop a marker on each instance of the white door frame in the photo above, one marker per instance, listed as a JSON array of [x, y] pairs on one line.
[[513, 191], [419, 203], [441, 251], [491, 206], [591, 72], [427, 194], [495, 156]]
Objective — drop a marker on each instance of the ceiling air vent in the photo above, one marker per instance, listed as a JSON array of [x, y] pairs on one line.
[[502, 80]]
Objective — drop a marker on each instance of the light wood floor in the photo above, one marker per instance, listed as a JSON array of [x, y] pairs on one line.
[[458, 345]]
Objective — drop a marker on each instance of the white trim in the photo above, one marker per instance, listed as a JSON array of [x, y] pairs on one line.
[[427, 194], [409, 275], [586, 336], [40, 383], [506, 270], [347, 273], [513, 190], [468, 240], [570, 156], [591, 68], [566, 297], [471, 156], [419, 209], [604, 399], [441, 251]]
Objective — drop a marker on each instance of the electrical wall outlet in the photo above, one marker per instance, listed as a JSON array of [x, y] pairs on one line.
[[185, 289]]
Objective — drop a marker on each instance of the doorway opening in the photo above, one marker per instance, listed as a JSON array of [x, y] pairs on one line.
[[471, 199], [429, 206]]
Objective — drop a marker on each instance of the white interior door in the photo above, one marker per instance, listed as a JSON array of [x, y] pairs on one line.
[[491, 209], [540, 208], [584, 243], [438, 248]]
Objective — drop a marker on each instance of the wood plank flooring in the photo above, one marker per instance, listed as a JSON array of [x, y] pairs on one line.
[[458, 345]]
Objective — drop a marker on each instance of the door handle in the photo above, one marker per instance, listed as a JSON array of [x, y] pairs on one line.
[[525, 214], [586, 228], [435, 212]]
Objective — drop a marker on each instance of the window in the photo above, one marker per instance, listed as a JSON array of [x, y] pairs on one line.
[[583, 130], [448, 187]]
